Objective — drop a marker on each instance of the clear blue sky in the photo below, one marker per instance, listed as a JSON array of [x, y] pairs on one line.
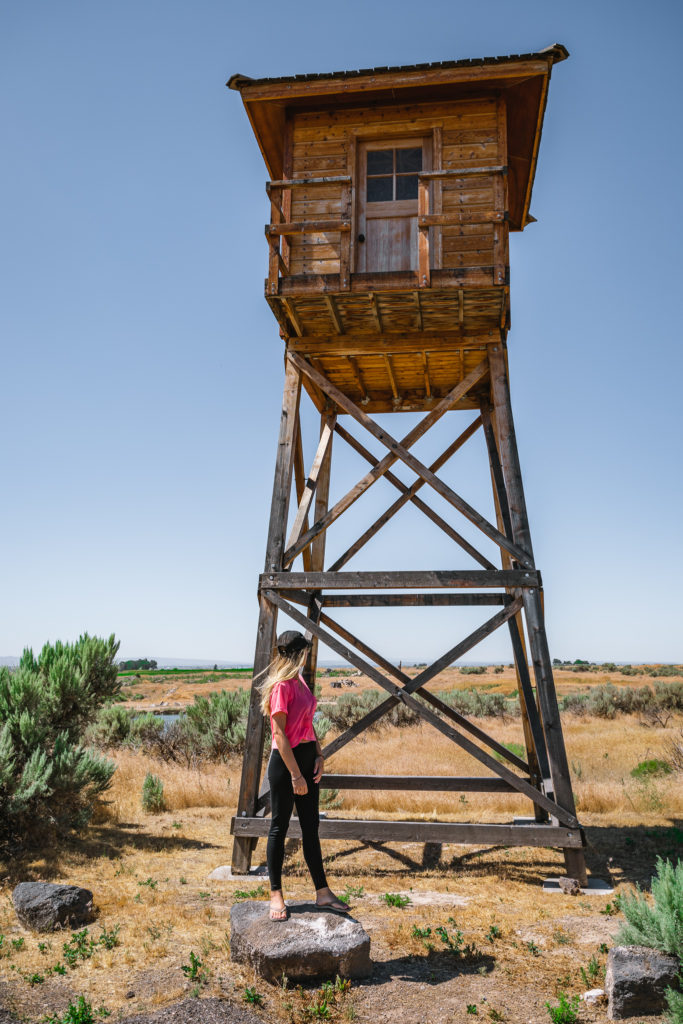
[[142, 369]]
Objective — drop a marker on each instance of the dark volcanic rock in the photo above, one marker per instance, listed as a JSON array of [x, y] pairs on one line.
[[45, 906], [569, 885], [636, 981], [312, 943]]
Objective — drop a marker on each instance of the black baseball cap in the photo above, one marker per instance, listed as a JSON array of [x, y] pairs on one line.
[[291, 642]]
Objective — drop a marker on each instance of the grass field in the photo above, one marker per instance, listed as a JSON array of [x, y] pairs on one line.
[[149, 876]]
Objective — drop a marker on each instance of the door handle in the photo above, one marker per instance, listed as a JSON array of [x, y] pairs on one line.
[[361, 238]]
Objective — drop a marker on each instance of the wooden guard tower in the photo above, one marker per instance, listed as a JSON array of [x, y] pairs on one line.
[[392, 193]]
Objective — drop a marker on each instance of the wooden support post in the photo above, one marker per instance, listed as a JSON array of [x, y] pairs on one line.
[[322, 496], [545, 687], [265, 637], [534, 739]]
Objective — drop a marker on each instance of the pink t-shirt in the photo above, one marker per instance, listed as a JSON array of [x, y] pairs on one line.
[[294, 698]]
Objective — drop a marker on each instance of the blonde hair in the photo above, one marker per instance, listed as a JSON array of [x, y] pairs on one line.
[[284, 666]]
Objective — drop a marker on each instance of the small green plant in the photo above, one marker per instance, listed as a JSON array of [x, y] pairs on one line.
[[18, 944], [150, 882], [561, 937], [59, 969], [611, 909], [603, 948], [591, 973], [421, 933], [533, 948], [493, 933], [252, 996], [566, 1011], [472, 1008], [109, 939], [495, 1015], [395, 899], [182, 880], [352, 892], [651, 768], [79, 947], [153, 794], [249, 894], [515, 748], [194, 971], [81, 1012], [35, 979]]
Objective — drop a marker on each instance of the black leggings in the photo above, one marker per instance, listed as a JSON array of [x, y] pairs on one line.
[[282, 798]]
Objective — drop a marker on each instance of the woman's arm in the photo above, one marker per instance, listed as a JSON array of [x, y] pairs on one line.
[[319, 761], [286, 753]]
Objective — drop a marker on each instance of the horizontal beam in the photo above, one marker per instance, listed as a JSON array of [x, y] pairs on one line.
[[398, 280], [428, 783], [392, 342], [404, 600], [431, 578], [302, 227], [461, 172], [459, 833], [337, 179]]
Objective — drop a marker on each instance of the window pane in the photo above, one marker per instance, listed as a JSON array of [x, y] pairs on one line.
[[380, 161], [380, 190], [408, 160], [406, 186]]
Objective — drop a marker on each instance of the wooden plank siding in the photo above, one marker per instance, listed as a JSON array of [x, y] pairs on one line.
[[469, 136]]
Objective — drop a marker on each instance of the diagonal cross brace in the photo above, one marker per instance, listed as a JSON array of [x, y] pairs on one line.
[[399, 451], [410, 494], [312, 479], [479, 634], [518, 783], [380, 469]]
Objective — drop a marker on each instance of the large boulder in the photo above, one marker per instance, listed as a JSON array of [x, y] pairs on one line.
[[312, 944], [45, 906], [636, 981]]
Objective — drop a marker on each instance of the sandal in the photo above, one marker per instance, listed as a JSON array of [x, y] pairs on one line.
[[279, 913], [334, 905]]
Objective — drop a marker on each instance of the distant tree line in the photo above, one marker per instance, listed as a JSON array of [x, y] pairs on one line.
[[133, 663]]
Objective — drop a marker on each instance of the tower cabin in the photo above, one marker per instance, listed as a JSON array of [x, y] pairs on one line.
[[392, 193]]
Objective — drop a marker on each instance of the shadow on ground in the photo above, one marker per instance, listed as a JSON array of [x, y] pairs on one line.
[[110, 841]]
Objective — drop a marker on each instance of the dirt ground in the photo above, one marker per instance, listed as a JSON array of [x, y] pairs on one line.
[[149, 875]]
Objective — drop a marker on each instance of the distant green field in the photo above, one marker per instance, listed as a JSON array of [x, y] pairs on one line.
[[186, 671]]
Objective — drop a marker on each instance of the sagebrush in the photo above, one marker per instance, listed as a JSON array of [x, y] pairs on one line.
[[48, 777]]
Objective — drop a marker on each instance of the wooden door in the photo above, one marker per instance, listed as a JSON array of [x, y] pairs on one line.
[[387, 203]]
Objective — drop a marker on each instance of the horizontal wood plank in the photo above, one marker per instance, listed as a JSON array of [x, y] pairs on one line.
[[458, 833], [431, 578], [426, 783]]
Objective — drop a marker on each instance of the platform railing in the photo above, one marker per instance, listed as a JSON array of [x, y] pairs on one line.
[[427, 220], [281, 228]]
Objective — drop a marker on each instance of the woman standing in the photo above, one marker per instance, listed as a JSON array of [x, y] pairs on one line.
[[294, 770]]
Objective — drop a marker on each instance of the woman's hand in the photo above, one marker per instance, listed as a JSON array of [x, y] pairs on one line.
[[299, 786], [318, 768]]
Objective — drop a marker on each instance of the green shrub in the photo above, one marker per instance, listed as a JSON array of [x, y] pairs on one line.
[[566, 1011], [153, 794], [658, 925], [48, 777], [675, 1003], [515, 748], [476, 703], [352, 706], [146, 730], [653, 766], [111, 728], [473, 670]]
